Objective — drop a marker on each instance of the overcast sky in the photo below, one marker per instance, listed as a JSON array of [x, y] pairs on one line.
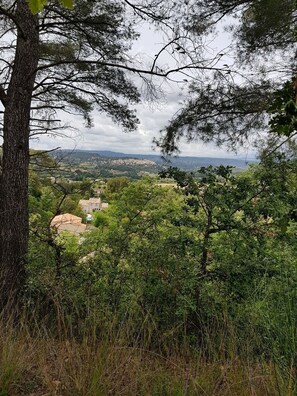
[[105, 135]]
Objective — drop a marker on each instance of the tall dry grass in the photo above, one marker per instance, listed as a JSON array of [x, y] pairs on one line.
[[38, 362]]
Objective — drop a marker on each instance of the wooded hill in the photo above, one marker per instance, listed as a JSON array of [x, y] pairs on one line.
[[80, 164]]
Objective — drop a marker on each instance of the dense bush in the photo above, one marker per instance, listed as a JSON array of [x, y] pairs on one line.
[[211, 263]]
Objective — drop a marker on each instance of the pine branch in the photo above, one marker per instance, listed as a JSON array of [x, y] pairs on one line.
[[3, 96]]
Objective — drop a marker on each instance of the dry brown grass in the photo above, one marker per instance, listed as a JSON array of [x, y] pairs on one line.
[[44, 365]]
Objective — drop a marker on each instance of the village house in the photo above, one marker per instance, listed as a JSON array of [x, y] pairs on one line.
[[68, 222], [92, 205]]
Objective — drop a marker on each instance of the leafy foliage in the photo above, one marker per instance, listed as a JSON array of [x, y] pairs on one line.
[[283, 108], [184, 259], [222, 112], [38, 5]]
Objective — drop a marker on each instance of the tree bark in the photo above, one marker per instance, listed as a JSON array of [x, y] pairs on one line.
[[205, 246], [14, 215]]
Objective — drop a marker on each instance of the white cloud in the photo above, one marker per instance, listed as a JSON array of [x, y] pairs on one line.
[[105, 135]]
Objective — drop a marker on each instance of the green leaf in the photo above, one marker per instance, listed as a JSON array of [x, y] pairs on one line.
[[36, 5], [67, 3]]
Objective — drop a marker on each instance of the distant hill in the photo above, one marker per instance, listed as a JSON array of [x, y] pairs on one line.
[[183, 162], [80, 164]]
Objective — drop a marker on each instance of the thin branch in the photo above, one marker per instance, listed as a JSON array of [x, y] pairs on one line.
[[44, 152], [159, 73], [12, 17], [278, 146], [3, 96]]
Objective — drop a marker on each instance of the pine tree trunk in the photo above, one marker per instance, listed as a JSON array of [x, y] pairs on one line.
[[14, 179], [205, 246]]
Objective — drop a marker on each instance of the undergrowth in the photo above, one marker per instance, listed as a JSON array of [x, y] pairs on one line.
[[37, 361]]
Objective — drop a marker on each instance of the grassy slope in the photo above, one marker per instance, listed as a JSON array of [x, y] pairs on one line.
[[34, 363]]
